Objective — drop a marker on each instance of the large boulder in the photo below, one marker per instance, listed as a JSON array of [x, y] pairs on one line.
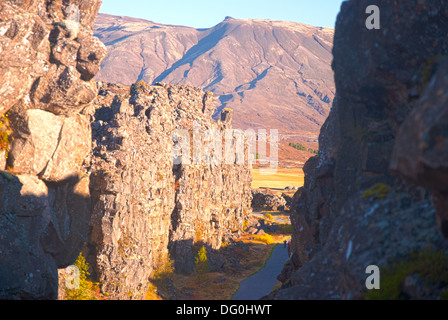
[[74, 144], [263, 201], [34, 144], [54, 151]]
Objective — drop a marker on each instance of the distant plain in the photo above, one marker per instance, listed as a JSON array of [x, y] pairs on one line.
[[284, 177]]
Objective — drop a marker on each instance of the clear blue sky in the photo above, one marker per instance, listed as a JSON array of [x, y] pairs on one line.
[[207, 13]]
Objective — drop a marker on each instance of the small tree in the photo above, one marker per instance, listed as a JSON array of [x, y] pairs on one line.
[[87, 290], [165, 267], [202, 261]]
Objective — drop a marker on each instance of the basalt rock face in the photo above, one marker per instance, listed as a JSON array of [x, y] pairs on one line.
[[424, 162], [356, 209], [48, 56], [44, 50], [146, 206]]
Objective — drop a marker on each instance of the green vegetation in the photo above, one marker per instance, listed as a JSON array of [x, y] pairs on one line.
[[269, 216], [201, 261], [301, 147], [87, 290], [377, 191], [428, 264], [297, 146]]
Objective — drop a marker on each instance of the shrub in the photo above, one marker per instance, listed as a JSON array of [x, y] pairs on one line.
[[201, 261], [139, 86], [297, 146], [265, 238], [165, 267], [87, 290], [269, 216], [377, 191]]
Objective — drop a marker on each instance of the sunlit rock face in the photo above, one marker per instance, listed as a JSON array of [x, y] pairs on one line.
[[146, 206]]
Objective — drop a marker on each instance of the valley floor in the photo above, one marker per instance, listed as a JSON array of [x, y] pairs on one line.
[[242, 258]]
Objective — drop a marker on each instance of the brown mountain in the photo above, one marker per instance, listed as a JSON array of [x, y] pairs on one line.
[[273, 74]]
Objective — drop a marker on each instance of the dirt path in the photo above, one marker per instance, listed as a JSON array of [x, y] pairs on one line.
[[261, 283]]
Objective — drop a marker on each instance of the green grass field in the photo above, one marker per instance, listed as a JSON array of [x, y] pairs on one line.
[[281, 179]]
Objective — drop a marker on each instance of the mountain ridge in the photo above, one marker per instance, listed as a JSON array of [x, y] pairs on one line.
[[238, 59], [273, 74]]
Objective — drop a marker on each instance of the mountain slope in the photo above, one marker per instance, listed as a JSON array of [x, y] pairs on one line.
[[273, 74]]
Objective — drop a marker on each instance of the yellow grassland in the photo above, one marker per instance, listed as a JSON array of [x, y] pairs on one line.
[[282, 178]]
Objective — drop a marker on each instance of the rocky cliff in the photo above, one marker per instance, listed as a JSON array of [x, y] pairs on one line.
[[146, 208], [48, 58], [375, 191], [93, 170]]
